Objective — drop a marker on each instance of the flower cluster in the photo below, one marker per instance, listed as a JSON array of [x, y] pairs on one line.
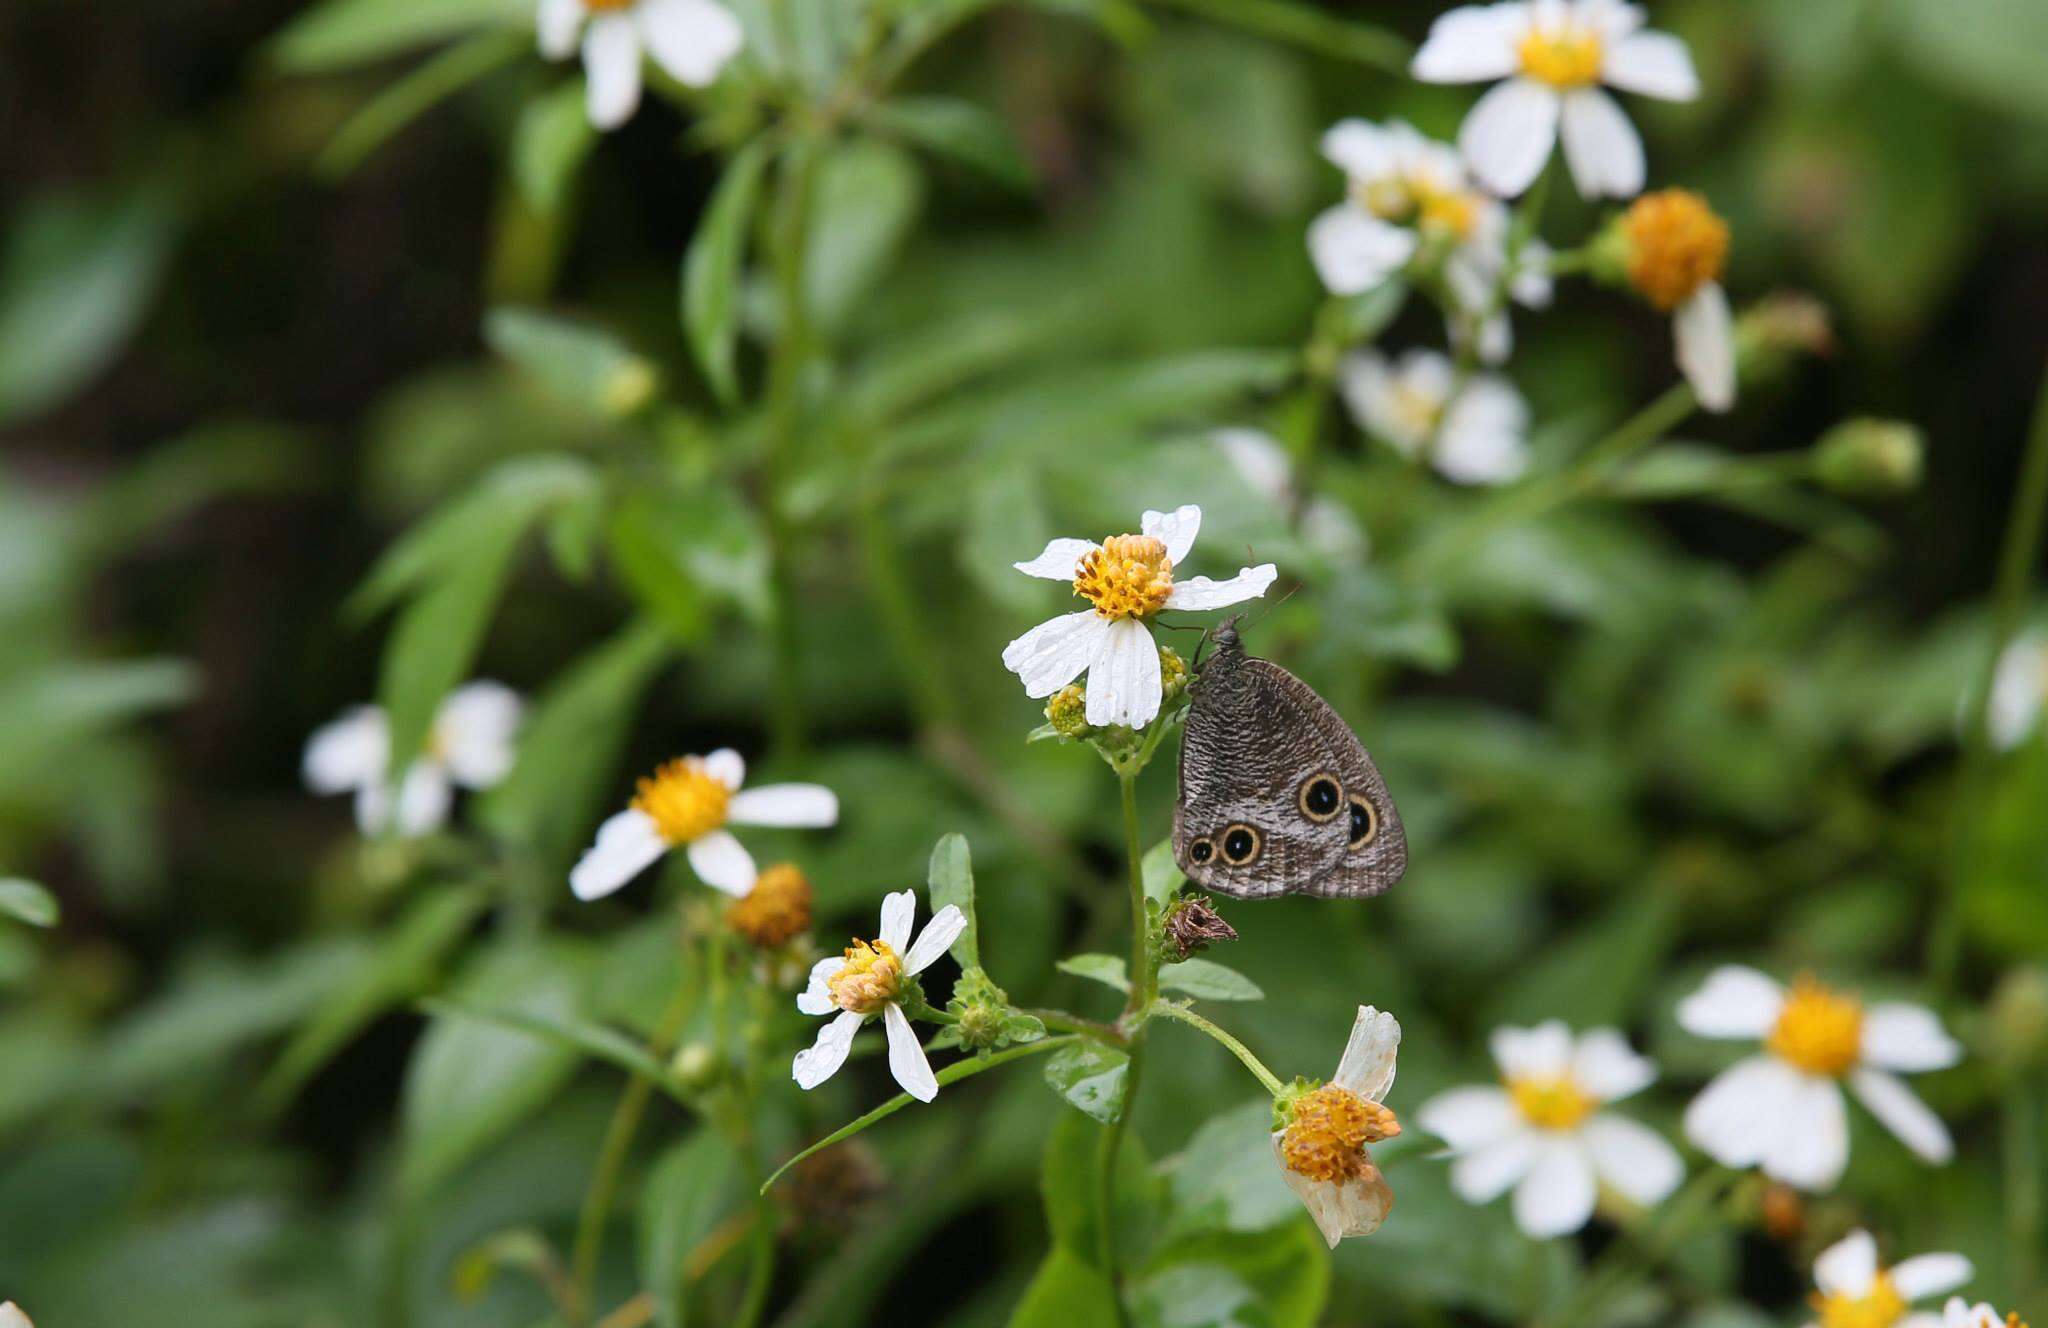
[[469, 746]]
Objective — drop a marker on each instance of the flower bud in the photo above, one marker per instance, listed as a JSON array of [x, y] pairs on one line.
[[1173, 674], [1867, 458], [983, 1018], [2016, 1024], [1775, 330], [1067, 712], [776, 910], [695, 1066]]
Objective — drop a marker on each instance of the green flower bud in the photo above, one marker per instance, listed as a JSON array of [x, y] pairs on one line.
[[1173, 674], [2016, 1024], [1067, 712], [984, 1019], [695, 1066], [1868, 458]]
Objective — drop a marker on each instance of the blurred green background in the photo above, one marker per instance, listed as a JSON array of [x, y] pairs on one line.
[[1673, 724]]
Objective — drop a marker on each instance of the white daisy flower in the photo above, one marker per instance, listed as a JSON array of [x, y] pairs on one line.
[[690, 39], [687, 804], [1261, 462], [1129, 579], [868, 980], [1554, 56], [2019, 688], [470, 745], [1676, 250], [1321, 1144], [1782, 1110], [1854, 1292], [1475, 434], [1959, 1313], [1402, 190], [1543, 1132]]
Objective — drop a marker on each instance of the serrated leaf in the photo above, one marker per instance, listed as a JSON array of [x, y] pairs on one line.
[[951, 881], [1109, 970], [27, 902], [1208, 980], [1091, 1078], [711, 269]]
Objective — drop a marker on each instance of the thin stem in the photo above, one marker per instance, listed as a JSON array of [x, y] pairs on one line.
[[760, 1265], [1144, 980], [1073, 1023], [1105, 1177], [788, 244], [2022, 1147], [1269, 1080]]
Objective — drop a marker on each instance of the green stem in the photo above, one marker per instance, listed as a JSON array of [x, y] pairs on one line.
[[1073, 1023], [2022, 1147], [1144, 978], [788, 243], [760, 1265], [1269, 1080]]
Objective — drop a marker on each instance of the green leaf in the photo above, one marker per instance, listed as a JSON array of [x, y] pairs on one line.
[[594, 1040], [339, 33], [1091, 1077], [1209, 980], [424, 88], [583, 365], [549, 144], [52, 713], [1226, 1175], [689, 1189], [1069, 1180], [711, 269], [1286, 1269], [1985, 50], [961, 130], [864, 201], [1196, 1295], [951, 881], [1066, 1292], [1161, 875], [1109, 970], [25, 901]]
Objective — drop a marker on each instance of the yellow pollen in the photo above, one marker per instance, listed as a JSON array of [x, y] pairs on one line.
[[776, 910], [1388, 197], [684, 799], [1551, 1102], [1128, 577], [1675, 246], [1564, 57], [871, 978], [1880, 1307], [606, 6], [1818, 1031], [1452, 211], [1326, 1139]]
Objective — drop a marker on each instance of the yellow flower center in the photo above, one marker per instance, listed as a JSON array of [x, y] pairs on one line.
[[1675, 246], [1392, 198], [1128, 577], [871, 978], [1326, 1139], [1880, 1307], [1416, 409], [1451, 211], [776, 910], [1818, 1031], [1564, 57], [1551, 1101], [606, 6], [684, 799]]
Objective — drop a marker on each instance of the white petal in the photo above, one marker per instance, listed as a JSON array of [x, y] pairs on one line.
[[1606, 1066], [1199, 592], [1556, 1197], [1485, 1173], [1847, 1267], [1054, 653], [1704, 331], [424, 797], [474, 729], [1469, 1118], [1734, 1002], [728, 767], [722, 863], [1602, 148], [822, 1059], [557, 24], [2018, 690], [789, 805], [1367, 1065], [1060, 561], [1176, 530], [1930, 1274], [1632, 1158], [11, 1316], [1355, 1208], [1259, 461], [1508, 135], [936, 938], [1812, 1143], [1471, 44], [816, 997], [1959, 1313], [1354, 251], [1899, 1036], [1903, 1113], [626, 843], [611, 69], [1656, 64], [1544, 1051], [1736, 1117], [1482, 440], [348, 753], [899, 911], [1358, 148], [691, 39], [906, 1058], [1123, 678]]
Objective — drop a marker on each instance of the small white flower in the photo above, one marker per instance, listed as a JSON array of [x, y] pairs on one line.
[[868, 980], [1128, 579], [687, 804], [1321, 1148], [1473, 434], [1782, 1110], [1259, 460], [1401, 189], [2019, 688], [470, 745], [1959, 1313], [1554, 56], [1854, 1292], [1544, 1132], [691, 39]]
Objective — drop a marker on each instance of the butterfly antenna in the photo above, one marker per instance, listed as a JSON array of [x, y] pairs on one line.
[[1267, 609]]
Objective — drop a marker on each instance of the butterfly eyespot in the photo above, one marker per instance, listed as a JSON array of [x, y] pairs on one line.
[[1365, 822], [1241, 844], [1201, 851], [1320, 798]]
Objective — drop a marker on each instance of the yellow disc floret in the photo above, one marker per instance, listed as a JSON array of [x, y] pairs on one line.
[[1128, 577], [1453, 212], [871, 979], [686, 801], [1551, 1101], [1326, 1139], [1564, 57], [607, 6], [1879, 1307], [1675, 246], [1819, 1030], [776, 910]]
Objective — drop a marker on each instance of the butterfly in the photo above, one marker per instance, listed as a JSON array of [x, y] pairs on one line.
[[1277, 796]]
